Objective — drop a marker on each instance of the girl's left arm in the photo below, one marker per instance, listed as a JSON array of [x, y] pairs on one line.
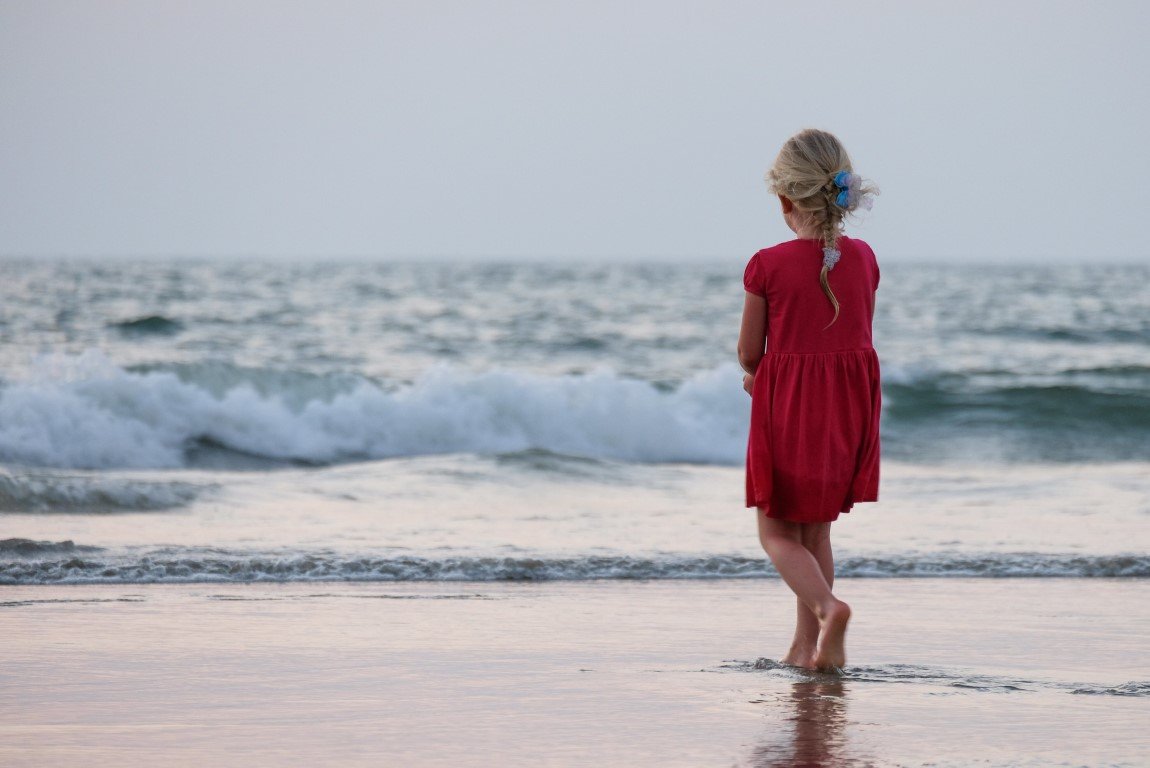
[[752, 332]]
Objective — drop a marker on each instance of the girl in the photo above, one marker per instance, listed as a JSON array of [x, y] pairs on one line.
[[813, 376]]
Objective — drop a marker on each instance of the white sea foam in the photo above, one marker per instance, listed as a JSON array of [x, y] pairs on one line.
[[86, 412]]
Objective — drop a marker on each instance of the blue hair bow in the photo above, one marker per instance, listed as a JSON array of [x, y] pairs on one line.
[[843, 181]]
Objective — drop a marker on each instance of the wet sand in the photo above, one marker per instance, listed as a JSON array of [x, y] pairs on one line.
[[940, 672]]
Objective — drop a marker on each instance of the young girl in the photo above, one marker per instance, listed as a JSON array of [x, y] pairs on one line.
[[813, 376]]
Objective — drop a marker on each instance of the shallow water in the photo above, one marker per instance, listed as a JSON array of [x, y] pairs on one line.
[[546, 517], [941, 672]]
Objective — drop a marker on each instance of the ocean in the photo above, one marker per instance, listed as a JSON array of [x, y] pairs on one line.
[[245, 419]]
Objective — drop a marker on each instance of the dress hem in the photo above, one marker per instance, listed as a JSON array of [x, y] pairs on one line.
[[757, 505]]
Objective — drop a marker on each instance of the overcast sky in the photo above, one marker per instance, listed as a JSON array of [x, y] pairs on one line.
[[996, 130]]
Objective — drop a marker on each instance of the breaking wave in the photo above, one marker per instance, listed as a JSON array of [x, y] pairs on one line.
[[84, 412], [95, 415]]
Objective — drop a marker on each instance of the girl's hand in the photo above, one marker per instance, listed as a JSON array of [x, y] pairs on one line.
[[748, 383]]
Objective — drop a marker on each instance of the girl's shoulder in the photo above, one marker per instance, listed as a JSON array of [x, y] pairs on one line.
[[862, 245], [763, 267], [867, 253], [787, 247], [782, 252]]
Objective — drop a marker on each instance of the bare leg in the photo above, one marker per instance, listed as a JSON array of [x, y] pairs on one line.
[[805, 575], [802, 651], [816, 538]]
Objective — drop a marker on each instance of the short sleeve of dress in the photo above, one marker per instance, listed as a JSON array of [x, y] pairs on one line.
[[753, 280], [873, 264]]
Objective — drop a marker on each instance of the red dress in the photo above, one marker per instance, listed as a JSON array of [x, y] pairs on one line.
[[813, 449]]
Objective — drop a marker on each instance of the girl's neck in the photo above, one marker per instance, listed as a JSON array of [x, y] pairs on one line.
[[801, 225], [810, 233]]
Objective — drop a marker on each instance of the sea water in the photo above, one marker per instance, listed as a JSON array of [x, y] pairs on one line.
[[196, 420]]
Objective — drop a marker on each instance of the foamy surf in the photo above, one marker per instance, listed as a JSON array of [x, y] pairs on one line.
[[89, 413], [33, 563]]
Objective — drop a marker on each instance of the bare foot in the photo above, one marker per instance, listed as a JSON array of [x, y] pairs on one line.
[[800, 657], [831, 652]]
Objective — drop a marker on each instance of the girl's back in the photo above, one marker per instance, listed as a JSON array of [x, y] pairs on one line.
[[797, 310]]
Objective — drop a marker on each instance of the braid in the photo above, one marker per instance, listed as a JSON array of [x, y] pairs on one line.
[[828, 218], [830, 295]]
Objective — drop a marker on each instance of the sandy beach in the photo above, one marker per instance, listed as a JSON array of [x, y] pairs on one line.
[[999, 672]]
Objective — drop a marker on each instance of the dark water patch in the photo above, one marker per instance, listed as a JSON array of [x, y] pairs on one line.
[[583, 344], [331, 595], [537, 460], [947, 416], [30, 548], [373, 291], [1092, 336], [150, 325], [1122, 331], [210, 453], [961, 403], [25, 603], [40, 492]]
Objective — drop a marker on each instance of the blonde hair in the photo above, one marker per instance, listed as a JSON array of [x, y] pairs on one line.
[[804, 173]]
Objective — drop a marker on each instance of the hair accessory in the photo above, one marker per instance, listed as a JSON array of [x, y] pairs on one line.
[[830, 257], [844, 180], [850, 193]]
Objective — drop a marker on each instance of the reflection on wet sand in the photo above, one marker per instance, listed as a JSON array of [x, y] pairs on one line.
[[818, 735]]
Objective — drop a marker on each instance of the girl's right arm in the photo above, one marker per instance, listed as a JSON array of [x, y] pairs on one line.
[[752, 332]]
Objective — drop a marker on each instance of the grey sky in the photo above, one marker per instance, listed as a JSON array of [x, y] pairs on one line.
[[996, 130]]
